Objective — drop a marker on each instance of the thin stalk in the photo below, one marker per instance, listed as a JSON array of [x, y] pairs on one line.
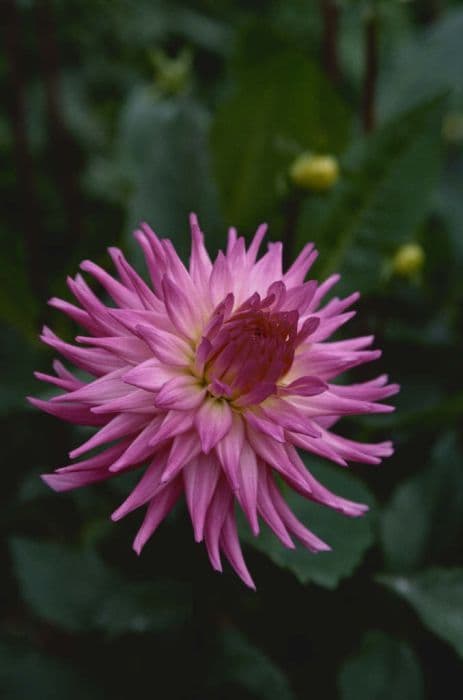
[[330, 16], [371, 32], [13, 42], [63, 151]]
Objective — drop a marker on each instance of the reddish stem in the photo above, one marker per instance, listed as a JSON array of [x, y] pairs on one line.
[[330, 16], [371, 72]]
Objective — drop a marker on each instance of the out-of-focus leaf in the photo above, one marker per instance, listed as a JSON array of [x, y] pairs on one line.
[[148, 22], [348, 537], [382, 199], [426, 512], [63, 586], [164, 151], [19, 358], [26, 673], [280, 107], [18, 307], [245, 665], [144, 607], [449, 205], [423, 66], [383, 669], [437, 597], [77, 591]]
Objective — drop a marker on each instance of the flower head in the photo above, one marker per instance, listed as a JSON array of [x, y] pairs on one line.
[[210, 379]]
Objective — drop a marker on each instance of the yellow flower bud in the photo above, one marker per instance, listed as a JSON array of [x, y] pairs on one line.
[[408, 260], [311, 172], [172, 74]]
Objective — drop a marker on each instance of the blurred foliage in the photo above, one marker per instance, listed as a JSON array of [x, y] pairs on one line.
[[115, 111]]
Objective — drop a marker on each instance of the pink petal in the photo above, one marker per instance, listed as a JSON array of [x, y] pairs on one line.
[[118, 427], [216, 513], [200, 477], [183, 393], [150, 375], [174, 423], [185, 447], [229, 450], [213, 420], [230, 544], [167, 347], [146, 488], [248, 478], [159, 507], [267, 508]]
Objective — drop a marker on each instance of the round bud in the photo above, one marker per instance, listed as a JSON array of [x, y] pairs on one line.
[[408, 260], [317, 173]]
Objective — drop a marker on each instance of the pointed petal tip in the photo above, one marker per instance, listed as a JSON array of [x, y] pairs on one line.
[[198, 535], [137, 548], [324, 547], [117, 515], [217, 566], [51, 480], [249, 583]]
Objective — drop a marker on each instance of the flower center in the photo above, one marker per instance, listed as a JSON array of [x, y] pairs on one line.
[[248, 352]]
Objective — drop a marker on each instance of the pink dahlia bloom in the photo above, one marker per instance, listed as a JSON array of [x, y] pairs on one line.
[[211, 378]]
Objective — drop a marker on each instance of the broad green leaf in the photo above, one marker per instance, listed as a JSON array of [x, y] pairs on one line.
[[384, 668], [449, 205], [153, 606], [26, 673], [437, 596], [164, 151], [425, 514], [349, 537], [382, 199], [245, 665], [78, 592], [62, 585], [423, 66], [281, 106]]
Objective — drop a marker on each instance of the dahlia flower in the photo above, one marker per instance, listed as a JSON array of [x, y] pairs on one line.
[[211, 379]]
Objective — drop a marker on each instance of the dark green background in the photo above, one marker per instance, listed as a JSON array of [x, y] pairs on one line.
[[97, 137]]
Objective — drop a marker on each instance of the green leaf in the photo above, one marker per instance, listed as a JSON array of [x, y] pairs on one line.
[[425, 514], [449, 205], [281, 106], [382, 199], [247, 666], [27, 673], [164, 153], [423, 66], [437, 597], [348, 537], [145, 607], [383, 669], [78, 592], [61, 585]]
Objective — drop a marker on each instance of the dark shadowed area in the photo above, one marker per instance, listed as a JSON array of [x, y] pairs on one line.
[[114, 112]]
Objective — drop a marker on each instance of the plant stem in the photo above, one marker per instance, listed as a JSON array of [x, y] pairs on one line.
[[63, 153], [23, 160], [330, 15], [371, 31]]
